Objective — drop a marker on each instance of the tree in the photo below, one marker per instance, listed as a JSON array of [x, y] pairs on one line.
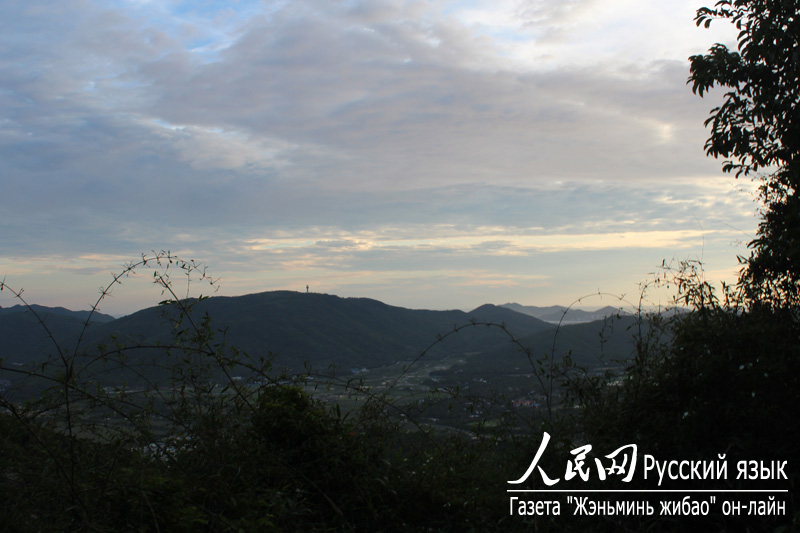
[[757, 129]]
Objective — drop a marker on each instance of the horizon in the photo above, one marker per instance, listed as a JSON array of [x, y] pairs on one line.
[[431, 155], [610, 303]]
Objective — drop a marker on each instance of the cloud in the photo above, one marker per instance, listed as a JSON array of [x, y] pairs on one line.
[[217, 149], [436, 138]]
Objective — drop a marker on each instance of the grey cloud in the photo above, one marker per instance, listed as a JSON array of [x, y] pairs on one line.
[[352, 91], [355, 116], [339, 244], [313, 84], [549, 18]]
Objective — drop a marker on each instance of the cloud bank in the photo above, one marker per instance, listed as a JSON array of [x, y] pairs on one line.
[[430, 154]]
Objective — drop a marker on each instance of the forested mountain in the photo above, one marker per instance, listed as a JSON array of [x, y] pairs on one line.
[[301, 331], [46, 312], [590, 345], [296, 328], [561, 314], [25, 338], [322, 329]]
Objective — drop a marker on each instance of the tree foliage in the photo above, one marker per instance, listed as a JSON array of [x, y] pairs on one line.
[[757, 129], [726, 383]]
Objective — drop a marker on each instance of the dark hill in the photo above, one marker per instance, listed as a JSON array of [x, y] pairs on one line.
[[25, 339], [45, 312], [323, 329], [555, 314], [518, 324], [601, 343]]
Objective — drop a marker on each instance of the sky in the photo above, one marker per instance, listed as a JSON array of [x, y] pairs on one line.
[[425, 153]]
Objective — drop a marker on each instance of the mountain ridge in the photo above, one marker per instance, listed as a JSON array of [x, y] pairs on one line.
[[44, 311], [320, 327], [555, 314], [292, 329]]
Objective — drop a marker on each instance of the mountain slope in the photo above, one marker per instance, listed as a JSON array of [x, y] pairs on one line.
[[24, 339], [45, 312], [560, 314], [323, 329], [518, 324], [602, 343]]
